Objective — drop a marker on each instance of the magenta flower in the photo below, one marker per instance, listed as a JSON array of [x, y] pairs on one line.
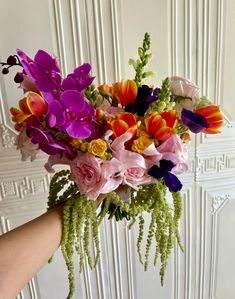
[[79, 79], [73, 114], [44, 71], [46, 141]]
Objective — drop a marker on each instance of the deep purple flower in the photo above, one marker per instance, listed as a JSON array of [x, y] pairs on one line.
[[44, 71], [145, 97], [79, 79], [45, 140], [171, 181], [195, 122], [73, 114]]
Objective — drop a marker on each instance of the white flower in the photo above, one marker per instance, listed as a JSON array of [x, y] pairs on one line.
[[26, 147], [183, 87]]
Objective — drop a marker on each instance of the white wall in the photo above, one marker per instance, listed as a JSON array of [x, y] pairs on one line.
[[193, 38]]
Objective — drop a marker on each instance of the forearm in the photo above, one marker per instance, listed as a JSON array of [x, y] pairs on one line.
[[24, 250]]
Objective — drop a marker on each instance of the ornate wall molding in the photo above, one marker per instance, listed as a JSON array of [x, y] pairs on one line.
[[24, 187], [7, 136], [218, 202]]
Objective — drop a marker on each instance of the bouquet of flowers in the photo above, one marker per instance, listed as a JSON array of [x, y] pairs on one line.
[[124, 146]]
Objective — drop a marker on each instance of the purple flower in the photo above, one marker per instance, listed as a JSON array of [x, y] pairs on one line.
[[171, 180], [46, 142], [44, 71], [73, 114], [79, 79], [145, 97], [195, 122]]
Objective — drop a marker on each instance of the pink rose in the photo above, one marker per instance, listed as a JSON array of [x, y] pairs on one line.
[[94, 176], [175, 150], [183, 87], [134, 168]]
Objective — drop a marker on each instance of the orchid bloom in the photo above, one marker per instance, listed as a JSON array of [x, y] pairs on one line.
[[72, 114], [44, 71], [79, 79]]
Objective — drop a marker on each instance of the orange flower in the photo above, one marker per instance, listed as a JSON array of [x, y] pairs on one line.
[[33, 104], [125, 92], [105, 89], [213, 116], [122, 123], [161, 126]]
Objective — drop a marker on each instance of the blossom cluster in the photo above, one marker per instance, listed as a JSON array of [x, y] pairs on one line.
[[124, 144], [113, 135]]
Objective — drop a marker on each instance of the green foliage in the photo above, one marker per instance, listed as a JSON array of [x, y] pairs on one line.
[[144, 57], [81, 221], [164, 102]]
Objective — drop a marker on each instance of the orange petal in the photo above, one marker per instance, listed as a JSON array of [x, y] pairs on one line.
[[36, 104], [129, 118], [23, 104], [207, 110], [119, 127], [171, 118]]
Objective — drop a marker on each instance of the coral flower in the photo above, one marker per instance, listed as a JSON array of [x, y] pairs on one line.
[[125, 92], [213, 117], [162, 126], [122, 123], [33, 104]]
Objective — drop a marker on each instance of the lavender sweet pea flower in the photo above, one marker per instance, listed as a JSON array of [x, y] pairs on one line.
[[44, 71], [195, 122], [79, 79], [72, 114]]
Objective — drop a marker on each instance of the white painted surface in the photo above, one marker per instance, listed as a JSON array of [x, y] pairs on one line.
[[190, 38]]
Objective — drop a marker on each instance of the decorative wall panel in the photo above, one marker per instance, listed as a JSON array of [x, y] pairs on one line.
[[192, 38]]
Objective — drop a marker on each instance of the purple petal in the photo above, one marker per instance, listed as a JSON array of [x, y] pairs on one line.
[[78, 130], [46, 61], [195, 122], [55, 114], [82, 70], [166, 165], [73, 100], [172, 182], [69, 83], [155, 172]]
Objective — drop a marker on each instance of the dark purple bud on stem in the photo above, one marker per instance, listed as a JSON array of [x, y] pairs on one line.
[[5, 71], [11, 60], [19, 77]]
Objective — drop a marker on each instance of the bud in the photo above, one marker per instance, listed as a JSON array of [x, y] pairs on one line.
[[132, 62], [19, 77], [11, 60], [161, 106], [140, 52], [5, 71]]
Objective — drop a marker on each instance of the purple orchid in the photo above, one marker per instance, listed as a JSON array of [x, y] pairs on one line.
[[79, 79], [163, 171], [46, 142], [195, 122], [44, 71], [73, 114]]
